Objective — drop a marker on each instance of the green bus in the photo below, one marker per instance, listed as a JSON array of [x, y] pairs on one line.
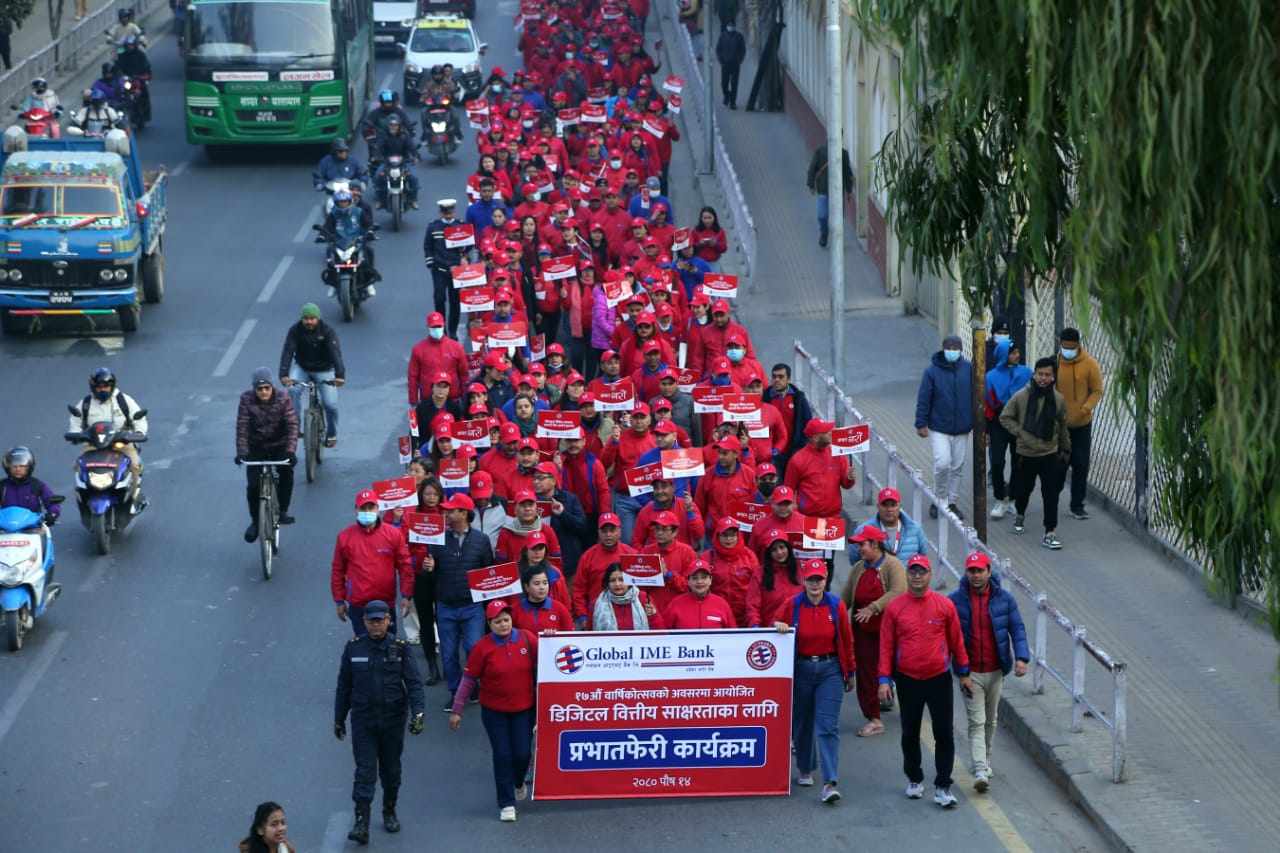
[[276, 71]]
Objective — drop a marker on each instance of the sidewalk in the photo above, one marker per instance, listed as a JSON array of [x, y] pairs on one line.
[[1203, 726], [34, 35]]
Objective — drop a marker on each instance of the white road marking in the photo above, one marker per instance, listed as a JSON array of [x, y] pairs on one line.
[[27, 684], [180, 168], [269, 289], [335, 835], [237, 344], [312, 215]]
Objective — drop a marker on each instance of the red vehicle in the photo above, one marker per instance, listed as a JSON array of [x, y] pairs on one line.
[[38, 121]]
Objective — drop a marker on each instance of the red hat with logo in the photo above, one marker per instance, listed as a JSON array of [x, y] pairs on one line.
[[586, 399], [721, 366], [726, 524], [813, 567], [468, 452], [459, 501], [729, 442], [555, 349], [548, 468], [435, 320], [477, 388], [889, 493], [535, 539], [482, 484], [509, 432], [977, 560], [919, 560], [699, 565], [477, 408], [496, 608], [662, 403], [868, 533], [524, 495], [782, 495], [720, 306], [609, 354], [366, 496], [443, 431], [607, 518], [666, 518], [527, 443], [665, 428], [765, 468], [818, 426]]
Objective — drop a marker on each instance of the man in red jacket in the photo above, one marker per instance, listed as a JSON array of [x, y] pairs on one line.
[[434, 354], [713, 337], [501, 461], [690, 528], [367, 558], [588, 583], [621, 453], [728, 481], [783, 518], [583, 474], [816, 475]]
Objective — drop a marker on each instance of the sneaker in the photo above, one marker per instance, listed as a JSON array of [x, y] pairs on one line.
[[507, 814], [1051, 541], [981, 781], [944, 797], [522, 793], [331, 292], [933, 510], [285, 518], [956, 511], [251, 532], [1019, 523], [1080, 514], [371, 291], [805, 780], [915, 790], [830, 795], [448, 706], [999, 509]]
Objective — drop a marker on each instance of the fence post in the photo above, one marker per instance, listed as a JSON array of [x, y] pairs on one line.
[[1041, 643], [944, 528], [917, 503], [1077, 679], [1120, 722], [797, 365]]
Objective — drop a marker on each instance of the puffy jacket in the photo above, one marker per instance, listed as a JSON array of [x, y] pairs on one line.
[[585, 477], [720, 488], [270, 427], [1006, 622], [1029, 444], [1080, 382], [944, 402], [366, 561], [1004, 379], [736, 575], [817, 478], [457, 556], [431, 357], [315, 350], [905, 544], [920, 637], [603, 319]]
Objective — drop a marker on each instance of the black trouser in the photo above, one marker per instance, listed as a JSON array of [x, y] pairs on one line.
[[424, 599], [1081, 449], [913, 696], [1000, 445], [729, 83], [549, 325], [1049, 470], [4, 51], [284, 487], [446, 299], [376, 742]]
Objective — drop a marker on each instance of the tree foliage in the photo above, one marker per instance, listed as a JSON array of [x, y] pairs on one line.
[[1132, 150]]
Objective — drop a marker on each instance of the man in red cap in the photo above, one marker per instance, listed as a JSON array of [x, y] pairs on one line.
[[523, 522], [610, 373], [719, 378], [661, 408], [712, 339], [441, 400], [490, 513], [745, 367], [566, 517], [526, 461], [816, 476], [368, 557], [622, 452], [433, 355], [493, 375], [769, 438], [588, 583], [766, 482], [690, 528], [501, 461], [615, 220], [678, 558], [782, 518], [903, 536], [728, 481], [735, 573]]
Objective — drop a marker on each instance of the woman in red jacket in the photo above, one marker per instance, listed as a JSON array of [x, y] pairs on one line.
[[779, 581], [535, 556], [735, 573], [535, 610], [505, 665], [709, 241], [824, 665], [622, 607], [699, 608]]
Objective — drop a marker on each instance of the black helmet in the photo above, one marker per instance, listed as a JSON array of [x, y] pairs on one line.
[[340, 145], [437, 71], [40, 84], [124, 13], [20, 456], [108, 70], [394, 121], [102, 376]]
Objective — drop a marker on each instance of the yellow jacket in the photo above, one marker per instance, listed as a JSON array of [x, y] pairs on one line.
[[1080, 384]]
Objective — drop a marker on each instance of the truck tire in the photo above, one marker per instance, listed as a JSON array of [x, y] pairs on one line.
[[130, 317], [153, 275], [14, 325]]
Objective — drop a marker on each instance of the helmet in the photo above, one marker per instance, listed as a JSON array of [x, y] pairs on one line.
[[102, 376], [437, 72], [386, 96], [339, 145], [342, 196], [97, 97], [20, 456], [130, 41], [124, 13], [108, 70], [394, 121], [356, 188], [40, 84]]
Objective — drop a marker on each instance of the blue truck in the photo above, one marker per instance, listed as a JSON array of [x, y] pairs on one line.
[[81, 230]]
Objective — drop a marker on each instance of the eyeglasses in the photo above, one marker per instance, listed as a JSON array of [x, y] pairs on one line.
[[917, 570]]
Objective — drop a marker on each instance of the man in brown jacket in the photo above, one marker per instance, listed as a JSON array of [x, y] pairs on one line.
[[876, 578], [266, 430], [1080, 383], [1037, 417]]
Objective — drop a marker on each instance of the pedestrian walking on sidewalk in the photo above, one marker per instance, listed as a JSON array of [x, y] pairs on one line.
[[920, 639], [1037, 418], [875, 579], [903, 537], [731, 49], [1002, 382], [944, 415], [996, 641], [8, 23], [817, 183], [1080, 383], [691, 18]]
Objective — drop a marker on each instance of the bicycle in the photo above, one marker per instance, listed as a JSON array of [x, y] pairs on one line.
[[268, 512], [314, 426]]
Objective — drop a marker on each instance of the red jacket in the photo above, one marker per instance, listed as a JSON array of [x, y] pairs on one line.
[[690, 531], [506, 669], [817, 478], [511, 544], [670, 134], [716, 243], [502, 467], [678, 559], [762, 531], [735, 575], [815, 633], [633, 358], [769, 448], [717, 490], [783, 590], [711, 343], [920, 637], [688, 612], [366, 562], [429, 358], [622, 453], [551, 615], [584, 475], [588, 583], [617, 227]]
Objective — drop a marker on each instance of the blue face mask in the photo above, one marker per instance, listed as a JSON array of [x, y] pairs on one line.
[[951, 355], [436, 333], [366, 518], [736, 355], [1069, 353], [1000, 338]]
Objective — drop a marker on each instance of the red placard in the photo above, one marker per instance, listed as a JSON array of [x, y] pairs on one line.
[[478, 121], [616, 292], [554, 269], [413, 422], [719, 285], [653, 128], [475, 300], [405, 446], [459, 236], [593, 114], [499, 335], [538, 348], [640, 479], [474, 432], [468, 275], [674, 103], [618, 397], [454, 474], [396, 493], [492, 582], [680, 240], [686, 378], [682, 462], [757, 429], [823, 534], [746, 514], [708, 399], [554, 424], [479, 105], [846, 441], [544, 511], [673, 84], [743, 408], [643, 569], [425, 528], [568, 116]]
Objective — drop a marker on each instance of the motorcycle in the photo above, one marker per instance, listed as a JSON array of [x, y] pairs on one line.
[[393, 186], [39, 122], [135, 101], [345, 268], [438, 119], [103, 479], [26, 572]]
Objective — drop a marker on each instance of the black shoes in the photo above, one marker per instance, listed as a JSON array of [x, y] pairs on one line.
[[360, 830], [433, 671], [955, 509], [822, 239], [251, 532], [285, 518], [390, 822]]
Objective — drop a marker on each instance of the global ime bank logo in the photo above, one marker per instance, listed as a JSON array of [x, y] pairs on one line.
[[761, 655], [569, 659]]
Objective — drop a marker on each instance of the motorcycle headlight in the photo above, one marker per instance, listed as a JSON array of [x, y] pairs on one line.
[[15, 275], [410, 68], [395, 173], [345, 254], [100, 480], [10, 575]]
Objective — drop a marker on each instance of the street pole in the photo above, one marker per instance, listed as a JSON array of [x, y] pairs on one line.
[[708, 67], [835, 186], [979, 362]]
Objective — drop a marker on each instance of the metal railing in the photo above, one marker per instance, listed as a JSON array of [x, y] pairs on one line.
[[884, 466]]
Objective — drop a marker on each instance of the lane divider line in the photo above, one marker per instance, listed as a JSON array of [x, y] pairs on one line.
[[312, 215], [27, 684], [269, 289], [237, 344], [984, 804], [180, 168]]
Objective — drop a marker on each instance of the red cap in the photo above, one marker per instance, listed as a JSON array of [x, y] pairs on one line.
[[574, 376], [919, 560], [665, 427], [609, 518], [477, 388], [665, 309], [366, 496], [782, 494], [817, 426], [466, 453], [735, 337], [765, 468], [867, 533], [496, 359], [441, 376], [646, 317], [535, 538], [729, 442], [524, 495], [496, 608], [720, 306], [639, 222], [555, 349], [608, 354], [548, 468], [587, 399], [889, 493], [813, 567], [459, 501], [509, 432], [662, 403], [503, 295], [538, 367], [523, 379], [700, 298], [724, 524], [435, 320], [527, 444], [666, 518], [477, 408], [650, 345], [482, 484], [978, 559], [443, 431], [699, 565], [721, 366]]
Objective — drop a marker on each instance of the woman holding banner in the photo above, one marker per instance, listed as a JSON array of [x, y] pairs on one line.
[[535, 610], [623, 607], [699, 608], [505, 666], [824, 663]]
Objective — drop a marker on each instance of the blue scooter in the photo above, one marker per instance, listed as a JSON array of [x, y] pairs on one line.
[[26, 572], [103, 480]]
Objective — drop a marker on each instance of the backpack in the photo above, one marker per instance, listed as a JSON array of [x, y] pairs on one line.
[[116, 396]]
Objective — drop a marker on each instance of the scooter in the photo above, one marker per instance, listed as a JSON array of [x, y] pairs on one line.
[[39, 122], [26, 572], [103, 479], [392, 178], [345, 268], [135, 101], [438, 120]]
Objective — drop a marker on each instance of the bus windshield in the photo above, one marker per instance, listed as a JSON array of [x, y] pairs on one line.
[[299, 33]]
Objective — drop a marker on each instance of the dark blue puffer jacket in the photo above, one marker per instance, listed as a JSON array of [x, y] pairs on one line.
[[1006, 621], [944, 403]]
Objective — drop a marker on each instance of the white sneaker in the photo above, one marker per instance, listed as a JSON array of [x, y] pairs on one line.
[[981, 781], [830, 795], [522, 793], [944, 797], [331, 292], [371, 291], [1000, 509], [805, 780], [915, 790], [508, 814]]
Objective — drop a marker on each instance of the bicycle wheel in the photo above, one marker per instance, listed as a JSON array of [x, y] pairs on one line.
[[312, 438], [266, 525]]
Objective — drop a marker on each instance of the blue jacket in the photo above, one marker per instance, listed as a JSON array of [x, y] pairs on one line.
[[480, 213], [636, 209], [1005, 379], [910, 543], [944, 403], [1006, 622], [331, 168], [691, 279]]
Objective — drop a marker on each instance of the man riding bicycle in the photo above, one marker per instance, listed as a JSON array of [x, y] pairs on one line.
[[266, 430], [313, 353]]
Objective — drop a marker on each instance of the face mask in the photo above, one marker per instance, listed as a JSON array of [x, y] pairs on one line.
[[702, 321], [617, 164], [102, 396], [366, 519], [435, 333], [1000, 339], [1069, 353], [952, 355], [495, 88], [735, 355]]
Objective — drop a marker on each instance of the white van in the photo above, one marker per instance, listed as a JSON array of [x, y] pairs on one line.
[[439, 39]]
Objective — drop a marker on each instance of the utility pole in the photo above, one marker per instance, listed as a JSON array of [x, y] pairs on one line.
[[835, 185], [979, 363], [708, 70]]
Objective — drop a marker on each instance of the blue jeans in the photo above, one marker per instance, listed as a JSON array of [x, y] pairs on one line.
[[458, 626], [511, 738], [819, 692], [627, 508], [328, 397], [824, 212]]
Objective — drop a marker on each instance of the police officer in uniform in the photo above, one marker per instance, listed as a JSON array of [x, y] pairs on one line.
[[441, 259], [376, 681]]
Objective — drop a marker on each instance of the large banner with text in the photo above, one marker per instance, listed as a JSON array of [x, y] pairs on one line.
[[664, 714]]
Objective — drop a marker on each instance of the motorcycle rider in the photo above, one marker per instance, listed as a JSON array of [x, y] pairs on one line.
[[41, 97], [337, 165], [345, 217], [436, 86], [374, 123], [313, 353], [22, 488], [396, 140], [266, 429], [440, 261], [441, 102], [133, 62], [105, 402], [125, 27]]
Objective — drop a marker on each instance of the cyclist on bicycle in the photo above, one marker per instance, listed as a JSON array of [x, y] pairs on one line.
[[266, 429], [313, 353]]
